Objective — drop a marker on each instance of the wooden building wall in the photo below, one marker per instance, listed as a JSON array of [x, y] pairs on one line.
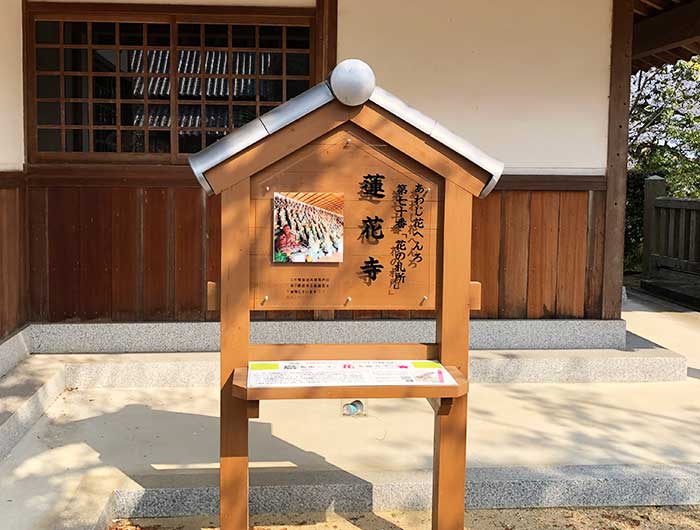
[[115, 248], [13, 279], [121, 243]]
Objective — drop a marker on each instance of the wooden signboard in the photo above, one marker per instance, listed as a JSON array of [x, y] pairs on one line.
[[388, 216], [347, 207]]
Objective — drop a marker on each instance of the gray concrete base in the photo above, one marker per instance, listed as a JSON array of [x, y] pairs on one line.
[[503, 487], [634, 365], [28, 390], [25, 395], [205, 336], [485, 366], [13, 349]]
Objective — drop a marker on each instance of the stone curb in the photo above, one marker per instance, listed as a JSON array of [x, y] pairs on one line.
[[588, 366], [488, 487], [13, 350], [205, 336], [23, 419]]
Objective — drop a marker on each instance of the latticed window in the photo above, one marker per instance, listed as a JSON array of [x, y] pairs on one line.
[[156, 90]]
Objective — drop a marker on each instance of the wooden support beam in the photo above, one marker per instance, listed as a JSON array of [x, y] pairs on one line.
[[253, 409], [618, 125], [441, 406], [668, 30], [343, 351], [235, 316], [450, 430]]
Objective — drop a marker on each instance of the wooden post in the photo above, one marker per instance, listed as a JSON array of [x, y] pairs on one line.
[[235, 332], [654, 187], [618, 125], [450, 438]]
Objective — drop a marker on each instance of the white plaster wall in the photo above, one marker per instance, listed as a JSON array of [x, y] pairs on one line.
[[11, 103], [527, 82]]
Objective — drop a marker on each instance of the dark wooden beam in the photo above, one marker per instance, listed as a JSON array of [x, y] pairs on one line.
[[110, 175], [551, 183], [671, 29], [67, 10], [326, 36], [618, 123], [11, 179], [181, 176]]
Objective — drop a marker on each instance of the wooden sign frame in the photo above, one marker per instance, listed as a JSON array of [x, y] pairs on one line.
[[324, 166], [455, 295]]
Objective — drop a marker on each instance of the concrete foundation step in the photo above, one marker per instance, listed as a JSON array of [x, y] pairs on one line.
[[501, 487], [35, 383], [26, 392], [641, 361], [645, 363]]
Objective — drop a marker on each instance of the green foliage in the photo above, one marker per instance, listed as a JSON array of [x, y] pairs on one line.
[[664, 140], [665, 125]]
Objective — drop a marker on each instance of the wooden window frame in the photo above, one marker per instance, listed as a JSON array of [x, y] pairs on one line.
[[148, 13]]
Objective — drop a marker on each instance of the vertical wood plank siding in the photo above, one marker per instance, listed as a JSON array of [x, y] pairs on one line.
[[156, 256], [95, 252], [542, 270], [515, 228], [13, 276], [127, 254], [147, 253], [486, 255], [38, 215], [64, 232], [189, 247]]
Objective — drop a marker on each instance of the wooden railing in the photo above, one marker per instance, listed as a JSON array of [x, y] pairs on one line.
[[671, 230]]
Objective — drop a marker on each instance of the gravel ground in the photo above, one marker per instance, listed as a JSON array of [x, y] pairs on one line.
[[643, 518]]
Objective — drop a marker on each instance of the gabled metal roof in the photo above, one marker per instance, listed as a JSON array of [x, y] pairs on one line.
[[351, 82]]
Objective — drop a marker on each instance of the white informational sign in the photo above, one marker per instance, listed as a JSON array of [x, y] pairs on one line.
[[279, 374]]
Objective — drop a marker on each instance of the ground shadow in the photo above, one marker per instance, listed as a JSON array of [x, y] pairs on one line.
[[637, 297], [149, 445]]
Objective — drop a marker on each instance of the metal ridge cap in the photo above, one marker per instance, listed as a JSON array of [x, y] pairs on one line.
[[490, 185], [439, 133], [469, 151], [201, 178], [297, 107], [257, 129], [401, 109], [231, 144]]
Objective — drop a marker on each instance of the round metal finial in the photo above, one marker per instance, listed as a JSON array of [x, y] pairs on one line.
[[352, 82]]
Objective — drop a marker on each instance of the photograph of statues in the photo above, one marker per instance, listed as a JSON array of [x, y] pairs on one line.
[[307, 227]]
